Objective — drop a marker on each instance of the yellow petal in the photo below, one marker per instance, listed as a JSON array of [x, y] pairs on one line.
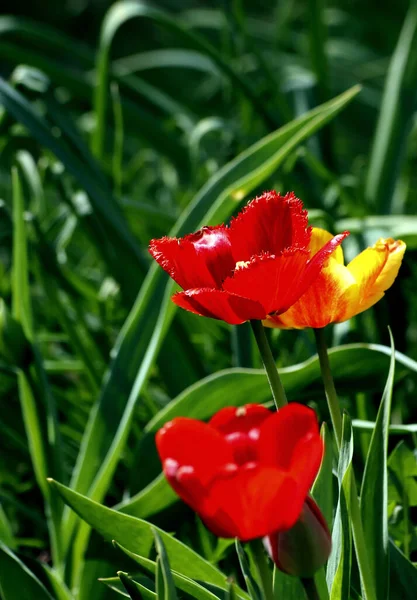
[[375, 270], [319, 238]]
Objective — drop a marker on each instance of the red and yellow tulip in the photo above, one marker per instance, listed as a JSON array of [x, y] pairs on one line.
[[341, 291]]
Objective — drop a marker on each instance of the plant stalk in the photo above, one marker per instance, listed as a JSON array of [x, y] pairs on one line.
[[355, 514], [277, 389], [310, 588]]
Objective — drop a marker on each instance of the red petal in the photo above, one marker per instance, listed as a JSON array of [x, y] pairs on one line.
[[243, 419], [195, 444], [270, 223], [251, 503], [219, 304], [201, 259], [290, 440], [275, 282]]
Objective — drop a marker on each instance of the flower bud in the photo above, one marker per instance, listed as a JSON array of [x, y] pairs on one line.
[[304, 548], [14, 347]]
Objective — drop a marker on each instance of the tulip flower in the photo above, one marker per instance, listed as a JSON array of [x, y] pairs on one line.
[[258, 266], [248, 471], [340, 292]]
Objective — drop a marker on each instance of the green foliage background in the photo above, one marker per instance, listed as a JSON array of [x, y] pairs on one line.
[[120, 122]]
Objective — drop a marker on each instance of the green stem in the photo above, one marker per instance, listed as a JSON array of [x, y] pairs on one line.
[[278, 392], [262, 567], [310, 588], [355, 513], [331, 394]]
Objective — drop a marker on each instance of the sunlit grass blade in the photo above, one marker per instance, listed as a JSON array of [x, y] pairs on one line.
[[374, 491]]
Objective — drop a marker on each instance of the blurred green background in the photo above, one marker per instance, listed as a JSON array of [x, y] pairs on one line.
[[120, 120]]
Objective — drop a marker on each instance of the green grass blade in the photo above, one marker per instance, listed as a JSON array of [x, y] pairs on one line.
[[374, 492], [395, 118], [182, 582], [130, 586], [339, 564], [170, 592]]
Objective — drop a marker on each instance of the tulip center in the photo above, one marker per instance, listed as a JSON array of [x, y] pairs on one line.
[[244, 446]]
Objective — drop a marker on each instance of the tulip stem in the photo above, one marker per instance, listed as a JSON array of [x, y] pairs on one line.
[[264, 572], [310, 588], [355, 512], [277, 389], [329, 387]]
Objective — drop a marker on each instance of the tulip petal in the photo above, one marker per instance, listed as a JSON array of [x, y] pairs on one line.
[[219, 304], [290, 440], [272, 281], [251, 503], [270, 223], [241, 419], [277, 282], [201, 259], [195, 444]]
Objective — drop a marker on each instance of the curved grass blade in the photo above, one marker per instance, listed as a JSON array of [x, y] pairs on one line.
[[120, 13]]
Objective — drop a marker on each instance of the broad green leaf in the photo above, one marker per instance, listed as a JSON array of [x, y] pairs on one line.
[[339, 564], [374, 492], [137, 537], [16, 581]]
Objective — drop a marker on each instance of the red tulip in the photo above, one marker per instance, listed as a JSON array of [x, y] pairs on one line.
[[248, 471], [258, 266]]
